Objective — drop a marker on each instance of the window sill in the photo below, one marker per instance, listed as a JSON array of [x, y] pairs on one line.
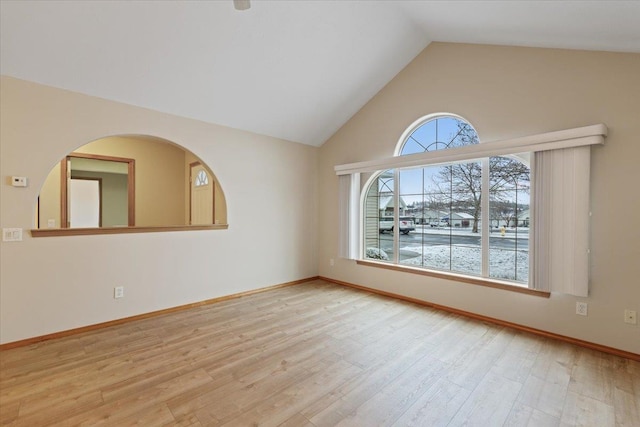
[[56, 232], [490, 283]]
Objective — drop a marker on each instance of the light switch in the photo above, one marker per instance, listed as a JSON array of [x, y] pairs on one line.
[[11, 234]]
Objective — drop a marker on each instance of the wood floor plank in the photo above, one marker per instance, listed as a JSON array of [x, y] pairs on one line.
[[522, 415], [137, 382], [258, 378], [314, 355], [278, 409], [519, 357], [554, 362], [624, 375], [297, 420], [626, 408], [436, 407], [454, 338], [158, 415], [393, 399], [78, 379], [185, 405], [57, 410], [469, 370], [544, 396], [593, 377], [244, 396], [9, 412], [490, 403], [357, 391], [190, 421], [129, 406], [581, 410]]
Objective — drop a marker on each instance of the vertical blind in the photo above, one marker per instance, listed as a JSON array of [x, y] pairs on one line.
[[349, 211], [561, 218]]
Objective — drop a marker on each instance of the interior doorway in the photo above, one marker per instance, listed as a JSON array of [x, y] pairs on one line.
[[201, 195], [85, 200], [116, 191]]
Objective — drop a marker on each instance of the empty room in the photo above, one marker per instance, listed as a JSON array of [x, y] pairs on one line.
[[319, 213]]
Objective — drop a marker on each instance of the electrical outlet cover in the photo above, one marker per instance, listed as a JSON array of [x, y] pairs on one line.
[[581, 308]]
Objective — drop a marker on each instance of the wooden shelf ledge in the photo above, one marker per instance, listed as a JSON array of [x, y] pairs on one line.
[[56, 232]]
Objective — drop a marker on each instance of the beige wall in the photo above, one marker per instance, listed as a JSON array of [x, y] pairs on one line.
[[159, 171], [508, 92], [49, 203], [158, 270]]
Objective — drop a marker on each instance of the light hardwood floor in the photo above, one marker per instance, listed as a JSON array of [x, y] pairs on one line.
[[315, 354]]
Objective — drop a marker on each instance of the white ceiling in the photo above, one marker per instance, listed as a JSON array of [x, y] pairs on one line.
[[296, 70]]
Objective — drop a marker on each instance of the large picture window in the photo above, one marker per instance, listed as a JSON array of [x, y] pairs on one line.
[[467, 217], [499, 213]]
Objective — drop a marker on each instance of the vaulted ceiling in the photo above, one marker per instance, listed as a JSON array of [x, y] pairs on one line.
[[296, 70]]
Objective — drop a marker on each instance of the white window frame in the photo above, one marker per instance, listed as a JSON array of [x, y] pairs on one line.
[[564, 139], [485, 272], [588, 135]]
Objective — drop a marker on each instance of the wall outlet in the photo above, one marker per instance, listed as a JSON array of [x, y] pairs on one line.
[[51, 223], [332, 262], [118, 292], [581, 308], [12, 234], [630, 317]]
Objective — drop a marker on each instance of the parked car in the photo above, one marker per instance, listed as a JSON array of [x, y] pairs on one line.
[[439, 224], [405, 223]]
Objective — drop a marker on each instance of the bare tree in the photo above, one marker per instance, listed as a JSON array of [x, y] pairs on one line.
[[461, 184], [503, 211]]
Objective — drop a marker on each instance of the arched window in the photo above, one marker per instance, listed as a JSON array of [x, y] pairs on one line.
[[470, 217], [437, 132], [202, 179]]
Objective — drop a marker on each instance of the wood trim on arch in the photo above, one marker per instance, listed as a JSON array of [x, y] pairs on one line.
[[64, 197], [60, 232]]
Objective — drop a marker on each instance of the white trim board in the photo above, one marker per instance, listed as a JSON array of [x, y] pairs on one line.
[[587, 135]]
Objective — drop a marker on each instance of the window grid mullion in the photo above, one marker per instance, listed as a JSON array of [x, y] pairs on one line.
[[484, 217], [396, 215]]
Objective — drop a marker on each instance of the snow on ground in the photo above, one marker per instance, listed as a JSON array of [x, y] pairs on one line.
[[520, 232], [503, 264]]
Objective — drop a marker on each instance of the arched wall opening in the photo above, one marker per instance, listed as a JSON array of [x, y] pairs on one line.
[[130, 181]]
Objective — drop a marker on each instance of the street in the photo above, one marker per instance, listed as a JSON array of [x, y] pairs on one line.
[[441, 237]]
